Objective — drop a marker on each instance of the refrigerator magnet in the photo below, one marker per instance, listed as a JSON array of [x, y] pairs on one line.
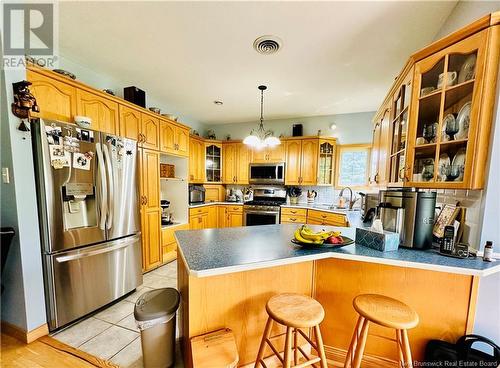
[[59, 157], [81, 161]]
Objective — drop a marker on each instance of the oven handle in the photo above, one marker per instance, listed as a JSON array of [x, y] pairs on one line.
[[262, 212]]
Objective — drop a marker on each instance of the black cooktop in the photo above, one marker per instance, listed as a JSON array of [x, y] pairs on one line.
[[262, 202]]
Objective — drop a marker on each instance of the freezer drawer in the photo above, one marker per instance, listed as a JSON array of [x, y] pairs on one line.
[[89, 278]]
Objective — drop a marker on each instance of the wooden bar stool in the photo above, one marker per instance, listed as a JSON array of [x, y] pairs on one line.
[[383, 311], [295, 312]]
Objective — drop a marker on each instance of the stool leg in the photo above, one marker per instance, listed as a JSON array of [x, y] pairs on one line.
[[295, 347], [361, 345], [262, 348], [407, 350], [321, 348], [399, 342], [288, 348], [354, 342]]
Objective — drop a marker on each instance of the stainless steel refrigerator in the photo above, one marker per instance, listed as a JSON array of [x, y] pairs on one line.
[[87, 190]]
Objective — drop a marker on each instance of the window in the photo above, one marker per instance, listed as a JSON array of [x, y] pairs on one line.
[[353, 165]]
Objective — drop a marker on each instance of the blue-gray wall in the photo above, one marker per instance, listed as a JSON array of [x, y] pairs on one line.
[[351, 128], [23, 301]]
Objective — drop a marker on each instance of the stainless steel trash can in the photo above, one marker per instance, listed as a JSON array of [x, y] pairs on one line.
[[154, 313]]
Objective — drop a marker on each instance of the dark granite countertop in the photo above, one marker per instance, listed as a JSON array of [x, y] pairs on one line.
[[218, 251]]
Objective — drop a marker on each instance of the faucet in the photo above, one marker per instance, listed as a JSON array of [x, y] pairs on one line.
[[351, 199]]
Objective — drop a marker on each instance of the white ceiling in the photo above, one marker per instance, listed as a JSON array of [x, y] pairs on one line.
[[337, 57]]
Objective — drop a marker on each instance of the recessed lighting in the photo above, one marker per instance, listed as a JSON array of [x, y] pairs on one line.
[[333, 126], [218, 102]]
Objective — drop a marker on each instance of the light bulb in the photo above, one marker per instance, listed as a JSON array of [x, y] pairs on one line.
[[272, 141], [333, 126], [251, 140]]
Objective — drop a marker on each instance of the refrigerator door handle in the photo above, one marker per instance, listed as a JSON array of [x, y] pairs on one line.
[[110, 191], [123, 243], [104, 191]]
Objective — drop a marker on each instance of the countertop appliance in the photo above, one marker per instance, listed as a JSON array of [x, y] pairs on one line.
[[166, 215], [369, 204], [264, 209], [267, 173], [196, 194], [409, 213], [89, 220]]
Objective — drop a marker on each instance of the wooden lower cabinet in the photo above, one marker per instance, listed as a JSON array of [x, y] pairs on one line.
[[315, 217], [168, 243], [151, 239], [230, 215], [215, 216], [293, 216], [150, 208]]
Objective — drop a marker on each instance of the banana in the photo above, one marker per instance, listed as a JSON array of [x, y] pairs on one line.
[[307, 233], [299, 238]]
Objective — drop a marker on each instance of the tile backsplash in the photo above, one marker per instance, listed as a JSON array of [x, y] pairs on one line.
[[472, 201]]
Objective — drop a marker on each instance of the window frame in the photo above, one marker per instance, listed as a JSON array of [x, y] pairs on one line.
[[353, 148]]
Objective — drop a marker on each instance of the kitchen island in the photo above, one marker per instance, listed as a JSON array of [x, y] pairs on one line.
[[227, 275]]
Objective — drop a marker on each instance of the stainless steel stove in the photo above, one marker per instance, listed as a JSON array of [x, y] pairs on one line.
[[264, 209]]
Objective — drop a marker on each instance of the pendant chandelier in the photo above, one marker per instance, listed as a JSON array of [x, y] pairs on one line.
[[260, 138]]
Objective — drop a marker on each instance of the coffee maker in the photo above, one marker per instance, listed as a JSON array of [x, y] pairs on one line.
[[166, 215], [409, 213]]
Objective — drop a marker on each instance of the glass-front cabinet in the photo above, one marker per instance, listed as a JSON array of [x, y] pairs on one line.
[[213, 162], [326, 162], [398, 146], [445, 122]]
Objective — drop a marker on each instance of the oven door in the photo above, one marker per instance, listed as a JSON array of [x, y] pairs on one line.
[[254, 218]]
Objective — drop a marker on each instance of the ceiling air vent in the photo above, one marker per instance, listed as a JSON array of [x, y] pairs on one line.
[[267, 45]]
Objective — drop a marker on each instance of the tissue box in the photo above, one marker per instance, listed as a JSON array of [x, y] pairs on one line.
[[386, 242]]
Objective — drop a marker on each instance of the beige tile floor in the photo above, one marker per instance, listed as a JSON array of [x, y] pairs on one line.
[[112, 333]]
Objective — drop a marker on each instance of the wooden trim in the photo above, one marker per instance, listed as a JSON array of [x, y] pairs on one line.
[[471, 313], [336, 358], [22, 335], [98, 362]]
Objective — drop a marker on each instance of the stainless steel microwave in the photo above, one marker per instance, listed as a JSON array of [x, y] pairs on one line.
[[268, 173]]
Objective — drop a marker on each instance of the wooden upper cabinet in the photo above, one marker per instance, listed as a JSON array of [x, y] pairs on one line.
[[270, 154], [309, 162], [276, 153], [196, 160], [380, 150], [326, 161], [174, 139], [130, 122], [103, 112], [150, 130], [451, 114], [236, 159], [242, 155], [293, 161], [57, 100], [167, 137], [229, 158], [182, 140]]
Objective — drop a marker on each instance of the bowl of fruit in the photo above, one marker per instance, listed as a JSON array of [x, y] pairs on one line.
[[304, 236]]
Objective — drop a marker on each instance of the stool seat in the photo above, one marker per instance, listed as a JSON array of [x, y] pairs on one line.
[[386, 311], [295, 310]]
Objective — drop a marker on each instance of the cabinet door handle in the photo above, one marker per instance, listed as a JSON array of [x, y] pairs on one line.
[[293, 211], [293, 219], [145, 200]]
